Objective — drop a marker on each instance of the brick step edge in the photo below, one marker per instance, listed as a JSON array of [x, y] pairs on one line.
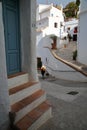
[[26, 101], [29, 120], [21, 87]]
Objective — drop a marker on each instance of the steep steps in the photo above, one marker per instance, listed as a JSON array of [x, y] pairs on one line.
[[36, 117], [20, 87], [27, 104], [26, 98]]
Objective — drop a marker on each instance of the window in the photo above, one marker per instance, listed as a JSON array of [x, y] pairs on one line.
[[68, 28], [61, 24], [55, 25], [52, 15]]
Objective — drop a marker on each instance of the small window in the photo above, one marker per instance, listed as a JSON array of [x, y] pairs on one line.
[[52, 15], [55, 25], [68, 28], [61, 24]]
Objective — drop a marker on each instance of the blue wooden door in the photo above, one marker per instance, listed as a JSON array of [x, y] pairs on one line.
[[11, 23]]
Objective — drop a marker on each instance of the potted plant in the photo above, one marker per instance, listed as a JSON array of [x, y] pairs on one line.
[[75, 55]]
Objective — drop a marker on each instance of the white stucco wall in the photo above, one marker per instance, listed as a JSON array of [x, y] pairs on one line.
[[82, 39], [4, 95], [42, 7], [42, 41], [53, 63], [28, 38], [42, 23], [56, 12], [53, 20], [44, 14], [83, 5], [82, 36], [39, 9]]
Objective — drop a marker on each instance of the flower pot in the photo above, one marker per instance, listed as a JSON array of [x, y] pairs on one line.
[[64, 45]]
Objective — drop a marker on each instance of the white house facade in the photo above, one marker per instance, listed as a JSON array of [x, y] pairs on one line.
[[50, 22], [51, 18]]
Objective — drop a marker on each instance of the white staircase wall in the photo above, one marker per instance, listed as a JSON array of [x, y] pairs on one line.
[[18, 80], [50, 61], [24, 93]]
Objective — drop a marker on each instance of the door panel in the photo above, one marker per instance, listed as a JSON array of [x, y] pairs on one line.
[[11, 22]]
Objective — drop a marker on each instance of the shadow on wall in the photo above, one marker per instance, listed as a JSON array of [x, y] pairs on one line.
[[45, 41], [41, 50]]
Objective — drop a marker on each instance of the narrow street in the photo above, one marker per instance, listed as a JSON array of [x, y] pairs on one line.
[[67, 53], [69, 104]]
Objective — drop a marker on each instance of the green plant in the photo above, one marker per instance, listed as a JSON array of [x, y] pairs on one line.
[[75, 55]]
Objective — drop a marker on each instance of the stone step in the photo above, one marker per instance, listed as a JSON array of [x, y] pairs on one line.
[[22, 91], [17, 79], [34, 119], [27, 104]]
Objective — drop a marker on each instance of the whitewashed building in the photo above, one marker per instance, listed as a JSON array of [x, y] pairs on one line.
[[50, 23], [82, 37]]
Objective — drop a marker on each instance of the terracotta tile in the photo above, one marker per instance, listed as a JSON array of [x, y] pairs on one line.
[[38, 94], [17, 106], [24, 123], [31, 98], [34, 114], [21, 87], [27, 100], [43, 107]]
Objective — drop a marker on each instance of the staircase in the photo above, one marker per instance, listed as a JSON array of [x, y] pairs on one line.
[[28, 101]]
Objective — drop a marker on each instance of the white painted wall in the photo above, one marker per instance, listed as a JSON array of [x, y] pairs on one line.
[[4, 95], [42, 23], [83, 5], [53, 63], [39, 9], [42, 42], [82, 36], [56, 12], [44, 14]]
